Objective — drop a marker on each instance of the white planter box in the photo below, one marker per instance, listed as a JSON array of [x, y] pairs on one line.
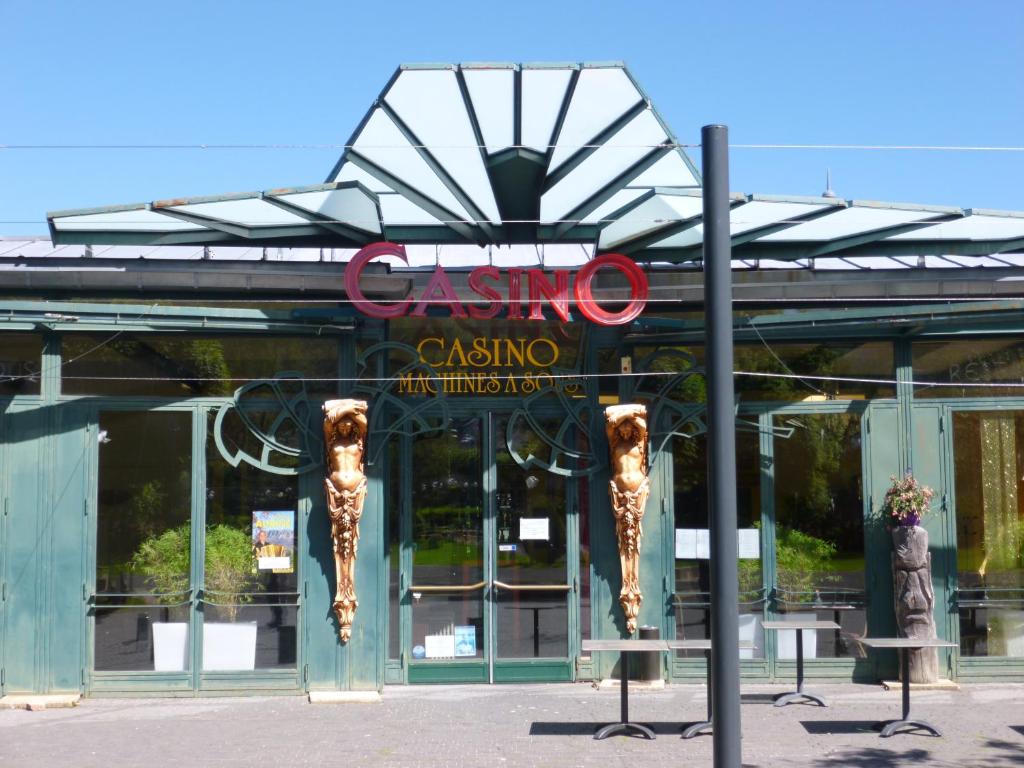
[[751, 632], [787, 637], [229, 646], [1006, 633], [170, 646]]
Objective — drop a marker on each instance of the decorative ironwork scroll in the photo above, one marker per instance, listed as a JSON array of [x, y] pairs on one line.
[[380, 369], [277, 413], [568, 449], [345, 427], [629, 487]]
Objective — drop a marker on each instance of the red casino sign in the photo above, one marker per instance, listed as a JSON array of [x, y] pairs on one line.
[[483, 281]]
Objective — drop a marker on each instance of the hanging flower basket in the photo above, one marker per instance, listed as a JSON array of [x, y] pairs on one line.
[[906, 501]]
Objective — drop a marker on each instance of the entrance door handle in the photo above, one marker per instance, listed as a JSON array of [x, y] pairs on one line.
[[533, 587], [447, 587]]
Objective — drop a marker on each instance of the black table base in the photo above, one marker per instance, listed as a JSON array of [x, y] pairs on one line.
[[697, 728], [905, 722], [799, 694], [624, 726], [892, 726]]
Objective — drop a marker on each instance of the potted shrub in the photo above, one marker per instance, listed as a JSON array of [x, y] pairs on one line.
[[803, 563], [164, 558]]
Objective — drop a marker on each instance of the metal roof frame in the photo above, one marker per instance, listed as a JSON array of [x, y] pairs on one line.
[[428, 193]]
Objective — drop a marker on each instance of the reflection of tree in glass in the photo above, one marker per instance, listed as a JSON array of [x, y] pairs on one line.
[[691, 389], [187, 361], [819, 360], [818, 477], [447, 516], [803, 562]]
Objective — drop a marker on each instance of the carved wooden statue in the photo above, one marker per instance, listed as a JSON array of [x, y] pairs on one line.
[[345, 438], [626, 426], [915, 599]]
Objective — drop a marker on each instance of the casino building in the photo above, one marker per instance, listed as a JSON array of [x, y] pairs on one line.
[[501, 252]]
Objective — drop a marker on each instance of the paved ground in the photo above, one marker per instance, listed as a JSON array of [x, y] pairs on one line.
[[539, 725]]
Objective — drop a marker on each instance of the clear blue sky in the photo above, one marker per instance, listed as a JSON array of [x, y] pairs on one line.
[[234, 72]]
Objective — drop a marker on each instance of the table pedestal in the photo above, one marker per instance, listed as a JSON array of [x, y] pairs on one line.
[[624, 725], [695, 730], [892, 726], [788, 698]]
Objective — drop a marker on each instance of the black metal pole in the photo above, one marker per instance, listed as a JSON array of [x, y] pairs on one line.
[[725, 664]]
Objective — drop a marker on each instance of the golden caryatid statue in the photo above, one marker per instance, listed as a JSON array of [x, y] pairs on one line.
[[629, 487], [345, 438]]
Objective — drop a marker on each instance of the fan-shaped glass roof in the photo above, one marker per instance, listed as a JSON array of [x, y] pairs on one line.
[[499, 154]]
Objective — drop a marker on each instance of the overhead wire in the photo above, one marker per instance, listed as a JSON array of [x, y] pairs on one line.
[[921, 383], [494, 147]]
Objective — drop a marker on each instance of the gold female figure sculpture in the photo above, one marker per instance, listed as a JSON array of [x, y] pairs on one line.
[[345, 428], [626, 427]]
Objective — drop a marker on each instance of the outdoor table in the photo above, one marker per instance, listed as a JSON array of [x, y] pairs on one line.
[[906, 645], [701, 644], [788, 698], [625, 647]]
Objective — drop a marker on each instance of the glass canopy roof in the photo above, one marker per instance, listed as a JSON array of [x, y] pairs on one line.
[[508, 154]]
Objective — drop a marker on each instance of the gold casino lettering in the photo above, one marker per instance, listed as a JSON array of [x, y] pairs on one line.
[[487, 352], [483, 365]]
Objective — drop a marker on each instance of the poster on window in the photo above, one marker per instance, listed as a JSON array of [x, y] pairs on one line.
[[273, 540]]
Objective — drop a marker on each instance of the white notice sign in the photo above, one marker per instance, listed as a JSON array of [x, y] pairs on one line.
[[749, 545], [536, 528], [695, 543], [692, 544], [440, 646], [274, 563]]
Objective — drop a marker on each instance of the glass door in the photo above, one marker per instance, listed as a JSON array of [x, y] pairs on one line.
[[988, 467], [142, 604], [532, 589], [490, 592], [448, 581]]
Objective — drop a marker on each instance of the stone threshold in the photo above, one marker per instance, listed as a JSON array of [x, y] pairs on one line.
[[938, 685], [34, 702], [344, 697], [610, 683]]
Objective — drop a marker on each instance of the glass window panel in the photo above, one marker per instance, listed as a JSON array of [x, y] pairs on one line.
[[988, 468], [532, 625], [447, 627], [381, 142], [531, 548], [447, 530], [20, 359], [431, 104], [850, 359], [600, 169], [692, 571], [583, 594], [858, 360], [394, 508], [609, 368], [250, 569], [172, 365], [819, 530], [969, 367], [143, 540], [543, 94], [601, 95]]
